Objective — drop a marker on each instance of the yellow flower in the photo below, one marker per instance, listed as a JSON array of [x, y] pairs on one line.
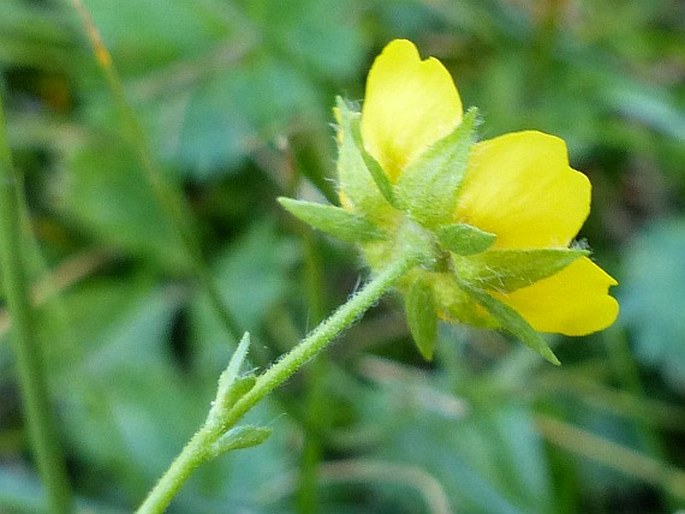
[[409, 104], [494, 221], [518, 187]]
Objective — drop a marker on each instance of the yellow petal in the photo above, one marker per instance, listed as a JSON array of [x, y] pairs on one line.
[[409, 105], [573, 302], [520, 186]]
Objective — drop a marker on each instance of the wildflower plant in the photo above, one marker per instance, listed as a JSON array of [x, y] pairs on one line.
[[494, 220], [475, 232]]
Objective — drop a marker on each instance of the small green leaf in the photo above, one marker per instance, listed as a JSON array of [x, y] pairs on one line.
[[419, 305], [464, 239], [240, 387], [237, 359], [227, 398], [335, 221], [237, 438], [508, 270], [428, 188], [232, 387], [514, 323]]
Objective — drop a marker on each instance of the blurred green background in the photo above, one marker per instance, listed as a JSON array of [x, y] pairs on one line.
[[234, 98]]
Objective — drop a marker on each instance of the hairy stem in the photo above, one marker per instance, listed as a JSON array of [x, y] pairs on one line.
[[321, 336], [196, 450]]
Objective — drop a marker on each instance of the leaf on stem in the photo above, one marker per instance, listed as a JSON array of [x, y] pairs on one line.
[[244, 436], [237, 360], [232, 387]]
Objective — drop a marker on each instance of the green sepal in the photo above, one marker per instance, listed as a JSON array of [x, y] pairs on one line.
[[508, 270], [514, 323], [244, 436], [427, 189], [377, 173], [358, 171], [464, 239], [335, 221], [419, 305], [235, 363], [355, 182]]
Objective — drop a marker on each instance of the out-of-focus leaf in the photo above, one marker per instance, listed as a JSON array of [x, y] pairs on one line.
[[317, 34], [106, 191], [228, 97], [109, 366], [20, 492], [487, 457], [146, 34], [652, 299], [118, 386], [239, 110], [34, 35], [252, 274], [656, 108]]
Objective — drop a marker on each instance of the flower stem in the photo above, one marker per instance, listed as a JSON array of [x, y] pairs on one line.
[[30, 367], [197, 450], [321, 336], [192, 455]]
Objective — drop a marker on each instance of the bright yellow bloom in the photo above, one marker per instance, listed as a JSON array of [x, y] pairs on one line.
[[493, 221], [518, 187], [409, 104]]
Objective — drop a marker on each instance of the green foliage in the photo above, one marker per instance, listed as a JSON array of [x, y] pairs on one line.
[[508, 270], [106, 193], [236, 97], [478, 446], [419, 307], [653, 300], [333, 220], [464, 239], [360, 175], [350, 123], [511, 321], [239, 438]]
